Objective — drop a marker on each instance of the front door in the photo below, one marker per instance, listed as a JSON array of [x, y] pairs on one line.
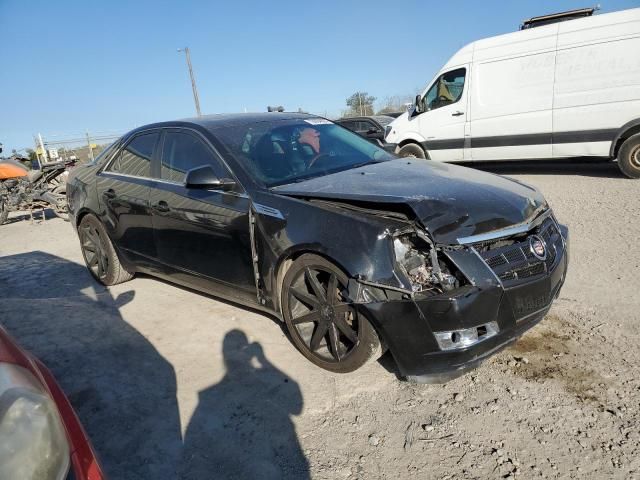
[[443, 117], [201, 236], [124, 187]]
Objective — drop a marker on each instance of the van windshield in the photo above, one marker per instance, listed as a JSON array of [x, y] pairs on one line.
[[285, 151]]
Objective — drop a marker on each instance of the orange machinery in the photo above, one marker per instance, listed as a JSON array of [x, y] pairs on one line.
[[11, 169]]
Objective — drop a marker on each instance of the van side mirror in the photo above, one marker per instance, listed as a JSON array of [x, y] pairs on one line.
[[417, 104], [205, 177]]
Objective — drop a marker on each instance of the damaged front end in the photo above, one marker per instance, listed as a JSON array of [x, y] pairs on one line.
[[450, 310]]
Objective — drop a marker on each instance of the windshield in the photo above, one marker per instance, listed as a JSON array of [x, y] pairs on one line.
[[285, 151]]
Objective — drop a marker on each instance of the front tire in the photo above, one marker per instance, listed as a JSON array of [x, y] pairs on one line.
[[629, 157], [99, 254], [323, 325], [412, 150]]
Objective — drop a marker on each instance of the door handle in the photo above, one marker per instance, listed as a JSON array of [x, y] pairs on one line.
[[162, 206], [457, 114], [109, 194]]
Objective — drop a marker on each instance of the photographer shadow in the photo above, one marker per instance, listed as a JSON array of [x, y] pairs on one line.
[[242, 426]]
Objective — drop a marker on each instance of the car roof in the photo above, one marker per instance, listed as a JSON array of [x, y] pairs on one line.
[[212, 122]]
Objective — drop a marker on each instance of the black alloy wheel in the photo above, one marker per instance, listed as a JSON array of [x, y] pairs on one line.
[[98, 252], [94, 251], [322, 323]]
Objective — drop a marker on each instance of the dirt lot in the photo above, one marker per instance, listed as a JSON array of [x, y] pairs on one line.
[[168, 381]]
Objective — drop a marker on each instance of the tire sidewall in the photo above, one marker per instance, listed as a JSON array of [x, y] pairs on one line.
[[369, 343], [112, 256]]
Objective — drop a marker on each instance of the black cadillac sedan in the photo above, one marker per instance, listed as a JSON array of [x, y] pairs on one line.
[[355, 250]]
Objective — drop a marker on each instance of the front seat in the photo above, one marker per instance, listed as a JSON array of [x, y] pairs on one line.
[[271, 159]]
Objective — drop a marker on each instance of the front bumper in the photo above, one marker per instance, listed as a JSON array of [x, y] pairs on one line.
[[407, 326]]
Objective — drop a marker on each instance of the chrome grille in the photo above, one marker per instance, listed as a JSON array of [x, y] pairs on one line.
[[515, 262]]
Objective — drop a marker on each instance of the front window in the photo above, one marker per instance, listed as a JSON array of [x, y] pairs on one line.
[[446, 90], [284, 151], [182, 152]]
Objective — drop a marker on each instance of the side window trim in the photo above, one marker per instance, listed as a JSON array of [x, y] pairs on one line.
[[123, 145]]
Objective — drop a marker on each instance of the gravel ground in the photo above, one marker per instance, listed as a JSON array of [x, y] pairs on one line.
[[169, 382]]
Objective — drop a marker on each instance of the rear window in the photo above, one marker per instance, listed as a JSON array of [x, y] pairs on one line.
[[135, 158]]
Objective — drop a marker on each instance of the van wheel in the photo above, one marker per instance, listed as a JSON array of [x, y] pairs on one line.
[[629, 157], [412, 150]]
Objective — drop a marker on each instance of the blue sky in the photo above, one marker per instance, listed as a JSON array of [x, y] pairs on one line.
[[71, 66]]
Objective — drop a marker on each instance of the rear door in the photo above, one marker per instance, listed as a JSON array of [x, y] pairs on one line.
[[201, 236], [123, 189], [442, 122]]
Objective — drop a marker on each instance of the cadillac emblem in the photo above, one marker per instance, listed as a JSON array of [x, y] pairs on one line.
[[538, 247]]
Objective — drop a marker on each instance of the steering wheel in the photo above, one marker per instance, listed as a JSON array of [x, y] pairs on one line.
[[317, 157]]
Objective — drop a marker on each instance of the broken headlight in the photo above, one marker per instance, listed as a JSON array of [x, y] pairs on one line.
[[419, 261]]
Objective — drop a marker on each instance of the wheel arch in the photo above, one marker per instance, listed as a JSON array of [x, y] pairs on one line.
[[627, 130], [411, 141], [83, 212]]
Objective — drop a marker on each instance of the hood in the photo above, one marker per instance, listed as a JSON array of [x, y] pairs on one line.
[[450, 201]]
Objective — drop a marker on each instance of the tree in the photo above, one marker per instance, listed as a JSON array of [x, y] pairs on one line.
[[361, 103], [396, 103]]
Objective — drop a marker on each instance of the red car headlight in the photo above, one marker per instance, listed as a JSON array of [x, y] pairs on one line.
[[33, 442]]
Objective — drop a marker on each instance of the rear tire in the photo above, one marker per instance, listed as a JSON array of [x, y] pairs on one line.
[[323, 325], [629, 157], [99, 254], [412, 150]]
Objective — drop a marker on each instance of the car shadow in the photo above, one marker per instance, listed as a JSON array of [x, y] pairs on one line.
[[124, 390], [242, 426], [582, 167]]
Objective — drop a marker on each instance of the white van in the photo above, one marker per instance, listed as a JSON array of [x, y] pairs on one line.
[[566, 89]]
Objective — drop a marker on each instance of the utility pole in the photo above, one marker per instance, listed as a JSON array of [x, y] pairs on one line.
[[44, 151], [360, 101], [89, 145], [196, 99]]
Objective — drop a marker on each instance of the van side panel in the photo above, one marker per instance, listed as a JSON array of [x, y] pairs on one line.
[[511, 95], [597, 84]]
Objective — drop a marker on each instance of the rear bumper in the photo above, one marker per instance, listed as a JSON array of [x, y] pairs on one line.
[[408, 326]]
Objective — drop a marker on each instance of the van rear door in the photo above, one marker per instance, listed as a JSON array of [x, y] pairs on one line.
[[597, 87]]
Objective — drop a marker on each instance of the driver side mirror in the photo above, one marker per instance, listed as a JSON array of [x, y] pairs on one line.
[[417, 104], [205, 177]]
